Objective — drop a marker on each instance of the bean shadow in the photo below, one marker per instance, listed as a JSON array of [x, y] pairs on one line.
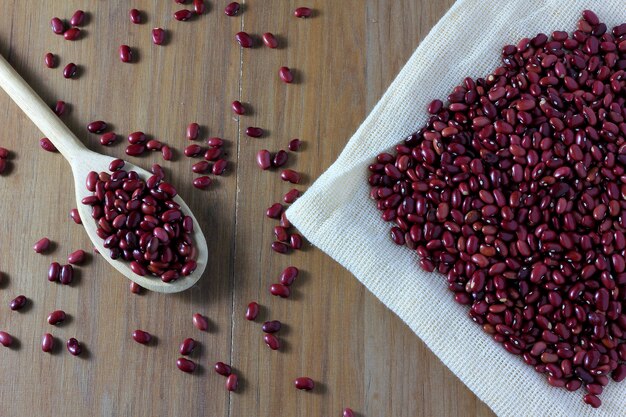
[[4, 280]]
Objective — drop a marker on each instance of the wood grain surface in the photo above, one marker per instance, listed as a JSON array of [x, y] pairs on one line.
[[360, 355]]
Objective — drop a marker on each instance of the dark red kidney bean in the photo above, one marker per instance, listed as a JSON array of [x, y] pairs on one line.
[[220, 166], [70, 70], [56, 317], [126, 54], [188, 268], [280, 247], [291, 196], [3, 165], [5, 339], [158, 36], [193, 130], [59, 108], [18, 303], [170, 276], [4, 153], [291, 176], [264, 159], [183, 15], [186, 365], [280, 158], [50, 60], [199, 7], [141, 337], [187, 346], [108, 139], [153, 145], [619, 373], [201, 322], [347, 412], [57, 25], [271, 341], [254, 132], [41, 245], [74, 347], [213, 154], [135, 16], [274, 211], [592, 400], [76, 257], [285, 74], [288, 276], [294, 145], [116, 165], [192, 150], [222, 368], [98, 126], [270, 40], [135, 288], [46, 145], [271, 326], [54, 271], [74, 215], [295, 240], [281, 234], [135, 150], [244, 39], [304, 383], [238, 107], [202, 182], [302, 12], [232, 9], [252, 311], [71, 34], [232, 382], [280, 290], [217, 142], [201, 167], [167, 153], [47, 343], [78, 18], [66, 275]]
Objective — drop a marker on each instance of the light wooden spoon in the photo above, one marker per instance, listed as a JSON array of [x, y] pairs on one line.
[[82, 161]]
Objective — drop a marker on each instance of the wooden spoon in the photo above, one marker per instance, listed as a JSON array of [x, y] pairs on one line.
[[82, 161]]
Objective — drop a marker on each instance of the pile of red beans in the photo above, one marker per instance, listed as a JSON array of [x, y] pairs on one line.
[[516, 191]]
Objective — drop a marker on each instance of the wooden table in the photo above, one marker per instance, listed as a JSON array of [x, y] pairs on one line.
[[357, 351]]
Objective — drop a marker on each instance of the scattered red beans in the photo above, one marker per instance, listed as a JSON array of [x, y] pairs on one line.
[[5, 339], [167, 153], [202, 182], [154, 145], [71, 34], [135, 150], [142, 337], [46, 145], [74, 347], [186, 365], [47, 343], [274, 211], [59, 108], [98, 126], [108, 139], [291, 196], [288, 276], [281, 234], [54, 272], [232, 382], [201, 167], [294, 145], [78, 18], [252, 311], [220, 167], [41, 245], [238, 107], [158, 36], [347, 412], [193, 130], [66, 274], [215, 142], [223, 369], [302, 12], [244, 39], [285, 74], [135, 288], [264, 159], [295, 240], [280, 247], [232, 9], [199, 7], [592, 400], [57, 25], [135, 16], [56, 317], [271, 341], [291, 176], [201, 322], [4, 153], [213, 154], [272, 326], [193, 150], [18, 303], [76, 257], [304, 383], [270, 40], [280, 158], [70, 70], [280, 290], [254, 132], [187, 346], [74, 215], [50, 60], [183, 15], [126, 54]]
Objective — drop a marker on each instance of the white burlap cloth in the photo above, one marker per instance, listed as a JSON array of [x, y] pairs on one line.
[[337, 216]]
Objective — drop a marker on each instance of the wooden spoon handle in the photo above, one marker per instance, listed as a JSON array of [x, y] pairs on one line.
[[39, 112]]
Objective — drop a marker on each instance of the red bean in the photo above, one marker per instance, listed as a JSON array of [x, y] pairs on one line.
[[47, 342], [71, 34], [135, 288], [274, 211], [126, 54], [46, 145], [254, 132], [285, 74], [192, 150], [56, 317], [199, 7], [6, 339], [18, 303], [50, 60], [108, 139], [294, 145], [238, 107], [135, 16], [187, 346], [57, 25], [252, 312], [167, 153], [232, 9], [78, 18], [280, 158], [3, 165], [302, 12], [232, 382], [158, 36], [291, 196], [98, 126], [223, 369], [76, 257], [217, 142], [201, 167], [304, 383], [141, 337], [244, 39], [264, 159], [185, 365], [271, 341], [183, 15], [188, 268], [290, 176], [201, 322], [288, 276], [271, 326], [202, 182], [193, 130], [347, 412], [592, 400], [74, 347], [280, 247], [66, 274], [59, 108], [41, 245], [295, 240], [70, 70], [220, 166], [135, 150], [54, 271], [281, 234], [270, 40], [280, 290], [4, 153], [154, 145], [213, 154], [74, 215]]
